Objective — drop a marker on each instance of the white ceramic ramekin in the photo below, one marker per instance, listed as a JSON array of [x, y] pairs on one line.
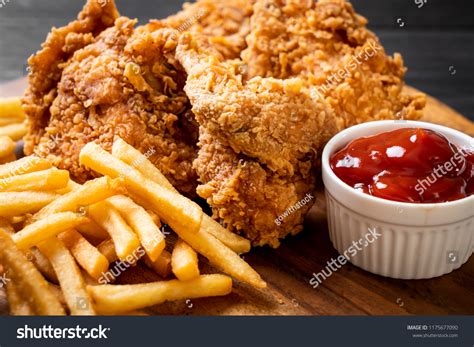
[[417, 240]]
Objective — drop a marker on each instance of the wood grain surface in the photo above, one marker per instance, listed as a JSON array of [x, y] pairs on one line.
[[349, 291]]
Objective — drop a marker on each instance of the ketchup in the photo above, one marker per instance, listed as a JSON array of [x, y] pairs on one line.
[[407, 165]]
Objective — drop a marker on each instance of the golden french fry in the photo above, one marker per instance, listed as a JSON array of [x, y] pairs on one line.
[[87, 256], [7, 146], [184, 261], [107, 217], [18, 305], [46, 228], [19, 203], [92, 231], [51, 179], [14, 131], [33, 255], [27, 279], [23, 166], [58, 293], [235, 242], [131, 156], [85, 195], [9, 120], [69, 277], [107, 248], [11, 108], [178, 211], [121, 298], [162, 265], [222, 256], [42, 264], [152, 240], [154, 217]]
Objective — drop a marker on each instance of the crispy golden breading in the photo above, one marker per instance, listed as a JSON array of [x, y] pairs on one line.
[[248, 197], [225, 23], [46, 65], [121, 84], [328, 45]]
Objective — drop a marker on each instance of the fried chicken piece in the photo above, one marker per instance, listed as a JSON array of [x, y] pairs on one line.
[[328, 45], [121, 85], [46, 66], [248, 198], [225, 23], [258, 143], [263, 118]]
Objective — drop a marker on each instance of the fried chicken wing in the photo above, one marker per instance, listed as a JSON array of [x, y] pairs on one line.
[[119, 85]]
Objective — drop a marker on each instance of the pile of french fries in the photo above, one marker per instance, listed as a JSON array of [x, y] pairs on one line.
[[60, 241]]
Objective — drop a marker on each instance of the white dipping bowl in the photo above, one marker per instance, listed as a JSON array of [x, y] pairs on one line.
[[417, 240]]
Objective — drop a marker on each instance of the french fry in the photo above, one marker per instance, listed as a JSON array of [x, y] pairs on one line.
[[11, 108], [235, 242], [152, 240], [107, 217], [18, 305], [87, 194], [33, 255], [131, 156], [162, 265], [184, 261], [222, 257], [23, 166], [87, 256], [93, 231], [7, 146], [42, 264], [43, 229], [121, 298], [69, 276], [19, 203], [179, 212], [14, 131], [107, 248], [27, 279], [128, 154], [9, 120], [51, 179]]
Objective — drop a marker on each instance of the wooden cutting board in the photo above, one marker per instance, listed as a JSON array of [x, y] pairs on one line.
[[349, 291]]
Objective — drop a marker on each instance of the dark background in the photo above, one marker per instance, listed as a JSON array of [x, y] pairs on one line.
[[436, 40]]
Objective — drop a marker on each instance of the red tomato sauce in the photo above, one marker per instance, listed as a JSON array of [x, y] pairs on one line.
[[407, 165]]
